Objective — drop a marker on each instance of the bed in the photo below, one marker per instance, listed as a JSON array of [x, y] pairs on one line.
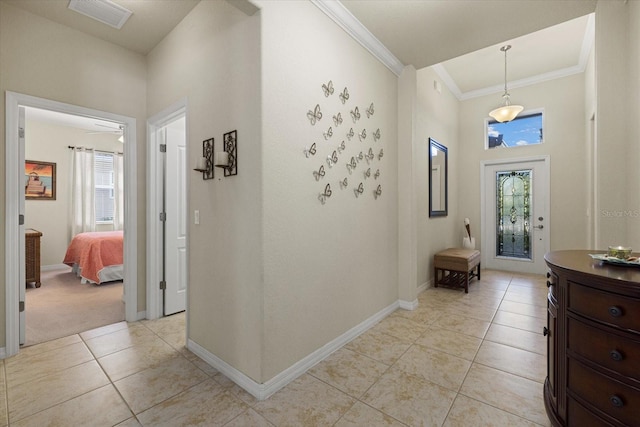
[[97, 256]]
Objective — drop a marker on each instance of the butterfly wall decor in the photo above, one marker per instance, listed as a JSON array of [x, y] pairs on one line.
[[358, 191], [337, 119], [310, 151], [327, 193], [343, 183], [369, 156], [367, 173], [370, 111], [319, 173], [332, 159], [342, 147], [362, 135], [376, 135], [355, 115], [377, 174], [350, 134], [328, 134], [378, 192], [328, 89], [360, 157], [344, 96], [314, 115], [352, 164], [380, 154]]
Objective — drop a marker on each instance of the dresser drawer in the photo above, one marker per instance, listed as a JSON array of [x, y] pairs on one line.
[[613, 309], [611, 351], [612, 397], [578, 415]]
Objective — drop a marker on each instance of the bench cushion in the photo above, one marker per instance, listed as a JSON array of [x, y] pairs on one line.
[[457, 259]]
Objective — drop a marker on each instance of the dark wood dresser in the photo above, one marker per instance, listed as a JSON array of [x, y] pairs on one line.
[[32, 256], [593, 339]]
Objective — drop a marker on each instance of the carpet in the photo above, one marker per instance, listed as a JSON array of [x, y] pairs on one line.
[[63, 306]]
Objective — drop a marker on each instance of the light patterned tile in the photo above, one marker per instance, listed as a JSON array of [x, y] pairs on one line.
[[29, 398], [306, 401], [131, 422], [410, 399], [249, 418], [349, 371], [363, 415], [526, 309], [93, 333], [435, 366], [206, 404], [519, 338], [57, 344], [137, 358], [120, 339], [457, 344], [471, 309], [154, 385], [400, 327], [4, 415], [513, 360], [463, 324], [379, 346], [100, 407], [505, 391], [469, 412], [424, 315], [520, 321]]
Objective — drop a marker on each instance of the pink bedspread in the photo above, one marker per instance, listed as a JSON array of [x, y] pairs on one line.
[[93, 251]]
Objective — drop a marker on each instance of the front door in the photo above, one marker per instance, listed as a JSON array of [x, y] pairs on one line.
[[515, 233]]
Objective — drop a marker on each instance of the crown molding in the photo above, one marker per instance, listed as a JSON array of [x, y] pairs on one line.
[[349, 23]]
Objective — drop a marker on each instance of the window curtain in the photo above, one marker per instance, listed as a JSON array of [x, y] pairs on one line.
[[83, 216], [118, 191]]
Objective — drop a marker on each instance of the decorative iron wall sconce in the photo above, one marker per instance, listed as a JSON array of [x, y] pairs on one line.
[[228, 159], [205, 164]]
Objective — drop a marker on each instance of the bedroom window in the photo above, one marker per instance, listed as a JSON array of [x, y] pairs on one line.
[[104, 187]]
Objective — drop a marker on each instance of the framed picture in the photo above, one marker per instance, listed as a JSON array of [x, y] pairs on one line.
[[40, 178]]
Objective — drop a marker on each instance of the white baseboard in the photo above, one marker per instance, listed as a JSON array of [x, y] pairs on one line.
[[141, 315], [262, 391], [3, 352], [408, 305]]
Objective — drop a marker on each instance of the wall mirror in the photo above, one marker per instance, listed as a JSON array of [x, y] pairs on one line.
[[438, 179]]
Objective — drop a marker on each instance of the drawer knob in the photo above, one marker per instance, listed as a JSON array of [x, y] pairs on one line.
[[548, 274], [616, 355], [545, 331], [616, 401], [548, 284], [615, 311]]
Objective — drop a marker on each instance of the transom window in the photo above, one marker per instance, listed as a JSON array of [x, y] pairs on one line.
[[526, 129]]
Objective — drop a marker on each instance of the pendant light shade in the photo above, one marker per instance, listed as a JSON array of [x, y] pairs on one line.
[[507, 111]]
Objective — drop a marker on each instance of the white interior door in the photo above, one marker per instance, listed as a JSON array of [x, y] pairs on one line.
[[176, 217], [21, 210], [515, 233]]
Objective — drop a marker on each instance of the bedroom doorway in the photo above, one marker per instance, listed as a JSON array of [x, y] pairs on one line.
[[14, 210], [167, 226]]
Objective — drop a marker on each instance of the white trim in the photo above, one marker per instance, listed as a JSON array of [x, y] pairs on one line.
[[13, 174], [264, 390], [408, 305], [345, 20], [154, 195]]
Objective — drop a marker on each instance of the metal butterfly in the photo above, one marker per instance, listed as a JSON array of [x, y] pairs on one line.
[[350, 134], [369, 156], [360, 156], [343, 183], [327, 193], [328, 134], [314, 115], [337, 120], [311, 150], [377, 174], [342, 147], [352, 164], [328, 89], [332, 159], [355, 115], [359, 190], [370, 111], [362, 135], [378, 192], [319, 173], [367, 174], [380, 154], [376, 134], [344, 96]]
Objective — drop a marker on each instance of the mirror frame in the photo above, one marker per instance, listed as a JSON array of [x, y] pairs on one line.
[[433, 144]]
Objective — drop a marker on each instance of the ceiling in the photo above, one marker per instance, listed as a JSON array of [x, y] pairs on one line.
[[461, 38]]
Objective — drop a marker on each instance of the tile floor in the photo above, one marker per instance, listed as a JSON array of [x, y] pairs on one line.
[[474, 359]]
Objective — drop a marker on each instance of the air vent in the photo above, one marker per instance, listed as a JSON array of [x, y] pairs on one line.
[[104, 11]]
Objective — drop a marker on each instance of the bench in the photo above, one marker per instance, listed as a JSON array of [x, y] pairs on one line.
[[454, 267]]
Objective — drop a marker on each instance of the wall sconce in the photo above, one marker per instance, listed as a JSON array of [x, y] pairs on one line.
[[205, 163], [228, 159]]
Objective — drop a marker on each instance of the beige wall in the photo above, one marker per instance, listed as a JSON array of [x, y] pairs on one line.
[[438, 117], [213, 59], [633, 115], [49, 142], [41, 58], [563, 101], [329, 267]]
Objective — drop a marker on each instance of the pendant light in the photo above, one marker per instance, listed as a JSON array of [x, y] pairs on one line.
[[507, 112]]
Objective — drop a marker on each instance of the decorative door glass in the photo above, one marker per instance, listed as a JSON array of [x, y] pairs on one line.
[[513, 228]]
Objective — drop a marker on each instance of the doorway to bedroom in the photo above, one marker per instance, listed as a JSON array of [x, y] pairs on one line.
[[17, 221]]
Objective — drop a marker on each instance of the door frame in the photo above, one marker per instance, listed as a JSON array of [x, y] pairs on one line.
[[485, 235], [14, 191], [154, 203]]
